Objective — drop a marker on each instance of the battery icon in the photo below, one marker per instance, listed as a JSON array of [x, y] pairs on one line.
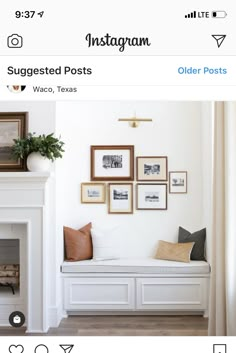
[[218, 14]]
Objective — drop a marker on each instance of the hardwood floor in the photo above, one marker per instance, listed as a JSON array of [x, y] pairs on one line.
[[124, 326]]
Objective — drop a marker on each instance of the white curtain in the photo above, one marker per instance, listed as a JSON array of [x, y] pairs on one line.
[[222, 310]]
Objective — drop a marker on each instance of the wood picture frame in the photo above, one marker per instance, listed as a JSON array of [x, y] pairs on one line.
[[151, 196], [178, 182], [12, 126], [120, 196], [152, 168], [112, 163], [93, 193]]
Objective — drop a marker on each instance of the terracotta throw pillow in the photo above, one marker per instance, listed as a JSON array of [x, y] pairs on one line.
[[78, 243], [174, 251]]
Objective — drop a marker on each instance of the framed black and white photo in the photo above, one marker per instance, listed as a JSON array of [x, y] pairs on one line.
[[12, 126], [93, 193], [178, 182], [112, 163], [152, 168], [120, 198], [151, 196]]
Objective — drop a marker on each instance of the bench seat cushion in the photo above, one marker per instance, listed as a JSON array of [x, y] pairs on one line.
[[146, 265]]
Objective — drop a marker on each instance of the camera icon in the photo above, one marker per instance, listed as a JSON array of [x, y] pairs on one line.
[[14, 41]]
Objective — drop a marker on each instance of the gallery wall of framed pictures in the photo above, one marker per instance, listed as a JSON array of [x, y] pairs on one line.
[[116, 165]]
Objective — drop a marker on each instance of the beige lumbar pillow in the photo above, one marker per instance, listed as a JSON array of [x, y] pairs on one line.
[[174, 251]]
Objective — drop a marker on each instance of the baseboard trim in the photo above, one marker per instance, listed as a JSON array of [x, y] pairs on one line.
[[35, 331], [136, 313], [55, 315]]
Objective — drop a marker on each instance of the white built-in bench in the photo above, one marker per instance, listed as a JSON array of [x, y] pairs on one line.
[[136, 285]]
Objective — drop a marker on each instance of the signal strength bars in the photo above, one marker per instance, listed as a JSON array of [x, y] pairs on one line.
[[191, 15]]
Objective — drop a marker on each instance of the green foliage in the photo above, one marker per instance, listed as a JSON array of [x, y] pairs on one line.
[[47, 145]]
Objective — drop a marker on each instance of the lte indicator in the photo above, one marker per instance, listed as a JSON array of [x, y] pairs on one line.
[[198, 14]]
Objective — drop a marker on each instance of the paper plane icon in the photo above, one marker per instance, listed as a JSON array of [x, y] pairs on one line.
[[219, 38], [67, 348]]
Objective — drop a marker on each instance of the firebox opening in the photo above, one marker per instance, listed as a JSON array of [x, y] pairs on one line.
[[9, 266]]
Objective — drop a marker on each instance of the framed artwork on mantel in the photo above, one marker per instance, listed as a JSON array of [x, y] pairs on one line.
[[152, 168], [178, 182], [12, 126], [112, 163]]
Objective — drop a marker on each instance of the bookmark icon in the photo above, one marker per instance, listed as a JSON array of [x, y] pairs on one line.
[[219, 348], [67, 348]]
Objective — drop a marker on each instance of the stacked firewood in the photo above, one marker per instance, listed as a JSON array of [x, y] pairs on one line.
[[10, 276]]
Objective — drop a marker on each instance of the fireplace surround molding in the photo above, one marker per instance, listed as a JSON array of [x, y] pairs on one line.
[[27, 198]]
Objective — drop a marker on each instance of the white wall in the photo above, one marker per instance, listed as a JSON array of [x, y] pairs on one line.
[[41, 114], [176, 132]]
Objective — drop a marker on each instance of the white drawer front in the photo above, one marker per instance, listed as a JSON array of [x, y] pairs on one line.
[[172, 293], [99, 293]]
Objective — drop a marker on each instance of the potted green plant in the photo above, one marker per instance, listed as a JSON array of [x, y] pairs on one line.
[[38, 151]]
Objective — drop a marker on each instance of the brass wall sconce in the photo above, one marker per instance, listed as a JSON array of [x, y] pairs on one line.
[[134, 122]]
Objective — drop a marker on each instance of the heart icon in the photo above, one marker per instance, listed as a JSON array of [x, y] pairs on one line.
[[16, 349]]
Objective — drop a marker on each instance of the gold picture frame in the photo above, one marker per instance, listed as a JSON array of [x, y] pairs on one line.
[[93, 193], [120, 196]]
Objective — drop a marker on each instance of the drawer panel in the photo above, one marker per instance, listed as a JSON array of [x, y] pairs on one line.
[[99, 293], [172, 293]]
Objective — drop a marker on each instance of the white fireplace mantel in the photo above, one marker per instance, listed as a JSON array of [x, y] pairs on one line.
[[25, 199], [24, 176]]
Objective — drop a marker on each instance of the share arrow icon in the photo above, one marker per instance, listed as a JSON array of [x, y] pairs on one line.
[[67, 348], [219, 38]]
